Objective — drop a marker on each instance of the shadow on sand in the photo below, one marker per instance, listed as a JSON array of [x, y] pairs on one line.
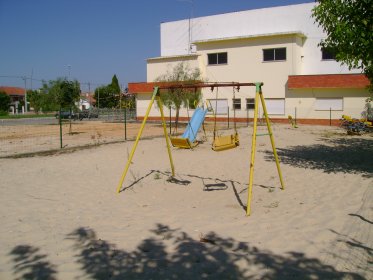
[[30, 264], [347, 155], [173, 254]]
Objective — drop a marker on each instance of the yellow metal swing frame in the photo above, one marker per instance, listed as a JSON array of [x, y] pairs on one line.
[[258, 95]]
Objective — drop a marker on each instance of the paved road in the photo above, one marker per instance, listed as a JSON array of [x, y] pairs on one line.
[[30, 121]]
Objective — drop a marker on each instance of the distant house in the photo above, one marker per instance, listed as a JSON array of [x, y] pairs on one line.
[[277, 46], [86, 101], [17, 95]]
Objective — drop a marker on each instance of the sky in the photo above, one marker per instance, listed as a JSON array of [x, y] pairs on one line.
[[91, 40]]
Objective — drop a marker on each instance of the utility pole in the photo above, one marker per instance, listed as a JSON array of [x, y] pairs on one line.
[[89, 94], [98, 98], [25, 79]]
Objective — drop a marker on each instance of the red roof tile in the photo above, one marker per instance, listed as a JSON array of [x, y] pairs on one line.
[[328, 81], [13, 90]]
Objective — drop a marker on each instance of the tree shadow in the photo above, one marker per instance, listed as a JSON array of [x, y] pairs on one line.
[[207, 257], [30, 264], [350, 155]]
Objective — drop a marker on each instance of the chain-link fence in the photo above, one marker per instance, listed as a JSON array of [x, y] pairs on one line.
[[33, 135], [30, 135]]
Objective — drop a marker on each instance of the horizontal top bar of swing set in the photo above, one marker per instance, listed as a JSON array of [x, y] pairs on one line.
[[206, 85]]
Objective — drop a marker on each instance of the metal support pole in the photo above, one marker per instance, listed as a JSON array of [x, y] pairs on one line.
[[125, 122], [228, 116], [272, 139], [330, 116], [253, 145], [60, 122], [25, 95], [253, 148], [160, 105], [155, 94]]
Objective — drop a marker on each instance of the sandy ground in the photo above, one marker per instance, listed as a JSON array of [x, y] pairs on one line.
[[61, 217]]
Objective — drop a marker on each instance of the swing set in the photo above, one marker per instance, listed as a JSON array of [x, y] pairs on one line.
[[220, 142]]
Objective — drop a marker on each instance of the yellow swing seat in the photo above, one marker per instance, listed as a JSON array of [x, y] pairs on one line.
[[226, 142], [183, 143]]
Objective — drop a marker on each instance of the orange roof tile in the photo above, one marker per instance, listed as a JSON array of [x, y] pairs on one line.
[[328, 81], [13, 90]]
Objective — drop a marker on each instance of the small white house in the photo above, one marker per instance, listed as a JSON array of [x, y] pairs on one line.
[[277, 46], [85, 102]]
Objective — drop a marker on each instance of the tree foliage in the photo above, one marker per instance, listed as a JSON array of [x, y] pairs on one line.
[[115, 85], [178, 97], [348, 25], [108, 96], [37, 100], [60, 93], [4, 102]]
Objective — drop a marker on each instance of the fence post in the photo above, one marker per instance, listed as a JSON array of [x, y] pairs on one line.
[[330, 116], [125, 123], [228, 116], [60, 121]]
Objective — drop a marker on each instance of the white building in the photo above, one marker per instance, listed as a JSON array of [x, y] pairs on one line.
[[277, 46]]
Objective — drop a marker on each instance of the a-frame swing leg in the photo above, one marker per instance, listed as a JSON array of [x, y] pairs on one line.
[[253, 145], [272, 140], [253, 148], [155, 94], [160, 105]]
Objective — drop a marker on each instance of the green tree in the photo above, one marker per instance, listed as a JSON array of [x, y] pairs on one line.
[[105, 97], [66, 93], [348, 25], [115, 85], [4, 103], [61, 92], [178, 97], [35, 97], [108, 96]]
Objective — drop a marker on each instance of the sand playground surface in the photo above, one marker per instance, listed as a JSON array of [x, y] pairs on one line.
[[61, 217]]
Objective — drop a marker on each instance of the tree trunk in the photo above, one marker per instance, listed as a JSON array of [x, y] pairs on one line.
[[177, 119]]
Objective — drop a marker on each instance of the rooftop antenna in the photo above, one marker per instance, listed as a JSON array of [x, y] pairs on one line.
[[189, 24]]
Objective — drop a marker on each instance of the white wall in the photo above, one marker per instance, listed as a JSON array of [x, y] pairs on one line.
[[175, 35], [161, 65], [304, 101], [243, 35]]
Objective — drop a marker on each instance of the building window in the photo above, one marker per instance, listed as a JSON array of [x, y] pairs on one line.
[[250, 103], [327, 54], [278, 54], [236, 103], [326, 104], [217, 58]]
